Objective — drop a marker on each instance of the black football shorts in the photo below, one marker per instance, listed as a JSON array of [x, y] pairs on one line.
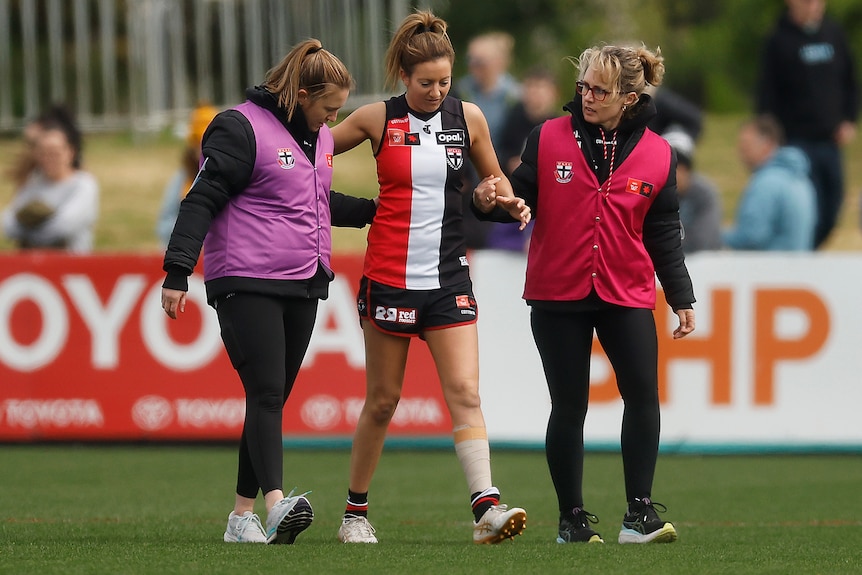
[[411, 312]]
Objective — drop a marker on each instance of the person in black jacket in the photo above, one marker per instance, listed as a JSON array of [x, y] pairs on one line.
[[602, 187], [262, 208], [808, 82], [674, 112], [539, 102]]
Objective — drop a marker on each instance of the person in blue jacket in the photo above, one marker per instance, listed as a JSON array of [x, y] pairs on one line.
[[778, 207]]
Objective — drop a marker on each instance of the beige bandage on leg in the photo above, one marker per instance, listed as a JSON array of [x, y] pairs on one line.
[[474, 453]]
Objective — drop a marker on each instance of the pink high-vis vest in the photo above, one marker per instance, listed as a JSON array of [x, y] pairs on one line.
[[279, 227], [589, 235]]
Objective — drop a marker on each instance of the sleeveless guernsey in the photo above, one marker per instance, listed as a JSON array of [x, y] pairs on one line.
[[416, 240]]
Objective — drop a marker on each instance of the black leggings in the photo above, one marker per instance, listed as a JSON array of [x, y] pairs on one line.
[[564, 341], [266, 339]]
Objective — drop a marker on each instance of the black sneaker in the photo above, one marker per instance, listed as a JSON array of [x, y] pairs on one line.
[[641, 524], [577, 529]]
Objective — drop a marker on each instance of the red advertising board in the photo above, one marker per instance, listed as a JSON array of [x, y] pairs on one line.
[[86, 353]]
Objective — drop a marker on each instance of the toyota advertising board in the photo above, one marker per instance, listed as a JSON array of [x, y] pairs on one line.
[[86, 352]]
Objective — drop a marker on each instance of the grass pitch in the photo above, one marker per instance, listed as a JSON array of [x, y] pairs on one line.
[[162, 509]]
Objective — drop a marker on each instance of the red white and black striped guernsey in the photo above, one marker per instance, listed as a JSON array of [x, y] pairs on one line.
[[416, 240]]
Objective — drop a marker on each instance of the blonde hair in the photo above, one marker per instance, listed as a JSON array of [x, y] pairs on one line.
[[306, 67], [420, 38], [625, 68]]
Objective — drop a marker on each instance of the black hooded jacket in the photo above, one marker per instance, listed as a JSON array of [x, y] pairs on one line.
[[808, 80]]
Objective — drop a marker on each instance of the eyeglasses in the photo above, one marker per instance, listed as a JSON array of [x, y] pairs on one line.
[[598, 93]]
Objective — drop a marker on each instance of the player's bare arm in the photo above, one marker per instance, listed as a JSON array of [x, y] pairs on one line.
[[364, 123]]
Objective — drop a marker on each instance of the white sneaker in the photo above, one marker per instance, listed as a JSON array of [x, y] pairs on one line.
[[245, 528], [499, 523], [356, 530], [288, 518]]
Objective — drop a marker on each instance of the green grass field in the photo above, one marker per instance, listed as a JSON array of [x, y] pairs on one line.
[[162, 509]]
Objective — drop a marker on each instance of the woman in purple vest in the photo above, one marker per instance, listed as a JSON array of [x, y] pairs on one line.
[[262, 208], [603, 192]]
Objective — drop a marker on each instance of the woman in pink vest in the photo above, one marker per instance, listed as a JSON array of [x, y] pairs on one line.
[[262, 207], [416, 281], [602, 187]]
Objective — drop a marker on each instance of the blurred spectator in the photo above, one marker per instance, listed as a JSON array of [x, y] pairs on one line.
[[539, 102], [674, 111], [490, 86], [699, 205], [807, 81], [58, 203], [182, 179], [778, 208], [25, 163]]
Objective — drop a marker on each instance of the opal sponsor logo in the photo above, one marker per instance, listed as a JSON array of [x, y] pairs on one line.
[[450, 137]]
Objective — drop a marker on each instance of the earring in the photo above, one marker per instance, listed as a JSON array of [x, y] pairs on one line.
[[625, 107]]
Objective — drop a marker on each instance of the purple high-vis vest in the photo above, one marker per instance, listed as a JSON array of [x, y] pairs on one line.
[[278, 227]]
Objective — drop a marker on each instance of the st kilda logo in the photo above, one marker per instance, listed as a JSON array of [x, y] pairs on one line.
[[564, 172], [455, 158]]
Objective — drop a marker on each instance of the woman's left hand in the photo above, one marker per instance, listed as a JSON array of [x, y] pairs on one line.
[[686, 323]]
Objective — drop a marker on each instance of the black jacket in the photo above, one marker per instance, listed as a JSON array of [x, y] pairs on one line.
[[231, 149], [807, 80]]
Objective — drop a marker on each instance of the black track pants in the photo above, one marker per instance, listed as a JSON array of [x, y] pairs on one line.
[[564, 340], [266, 339]]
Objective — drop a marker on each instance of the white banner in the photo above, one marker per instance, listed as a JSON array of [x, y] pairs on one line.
[[774, 362]]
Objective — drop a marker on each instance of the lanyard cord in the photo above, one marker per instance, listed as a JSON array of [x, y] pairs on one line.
[[607, 184]]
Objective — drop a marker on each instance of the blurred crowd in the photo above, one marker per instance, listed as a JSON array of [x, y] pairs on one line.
[[56, 202], [805, 112]]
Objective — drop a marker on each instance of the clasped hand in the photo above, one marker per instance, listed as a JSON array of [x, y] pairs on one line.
[[486, 199]]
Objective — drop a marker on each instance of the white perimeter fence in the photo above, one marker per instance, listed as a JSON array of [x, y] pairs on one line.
[[143, 64]]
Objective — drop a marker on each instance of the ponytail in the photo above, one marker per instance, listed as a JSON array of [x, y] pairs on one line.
[[308, 66], [628, 69], [421, 38]]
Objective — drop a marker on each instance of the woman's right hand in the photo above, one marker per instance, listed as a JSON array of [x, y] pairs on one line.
[[173, 300]]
